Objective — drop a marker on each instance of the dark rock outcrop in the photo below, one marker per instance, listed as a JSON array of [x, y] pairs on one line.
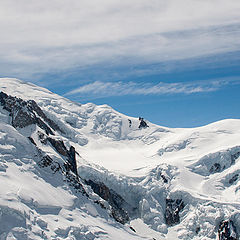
[[59, 146], [227, 231], [215, 168], [234, 157], [173, 207], [31, 140], [72, 159], [197, 230], [132, 229], [61, 149], [165, 180], [71, 178], [46, 161], [25, 113], [42, 138], [130, 122], [233, 179], [114, 199], [142, 124]]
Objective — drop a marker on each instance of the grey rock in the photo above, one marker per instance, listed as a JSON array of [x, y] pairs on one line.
[[173, 207], [227, 231], [25, 113], [114, 199], [142, 124]]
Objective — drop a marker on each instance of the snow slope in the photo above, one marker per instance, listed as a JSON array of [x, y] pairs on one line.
[[173, 183]]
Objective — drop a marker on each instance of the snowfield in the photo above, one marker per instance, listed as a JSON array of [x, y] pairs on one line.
[[130, 183]]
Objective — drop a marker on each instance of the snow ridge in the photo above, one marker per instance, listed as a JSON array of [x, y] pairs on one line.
[[132, 181]]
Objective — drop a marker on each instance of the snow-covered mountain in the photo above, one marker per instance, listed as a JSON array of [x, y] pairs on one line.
[[72, 171]]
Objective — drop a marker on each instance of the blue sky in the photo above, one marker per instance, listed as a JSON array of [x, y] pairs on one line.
[[175, 63]]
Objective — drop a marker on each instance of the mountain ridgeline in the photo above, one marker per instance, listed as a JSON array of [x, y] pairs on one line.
[[72, 171]]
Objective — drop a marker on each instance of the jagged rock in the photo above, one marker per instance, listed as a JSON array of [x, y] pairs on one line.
[[72, 159], [104, 192], [234, 157], [215, 168], [31, 140], [142, 124], [114, 199], [132, 229], [59, 146], [227, 231], [70, 154], [120, 215], [42, 138], [100, 203], [25, 113], [173, 207], [72, 179], [197, 230], [38, 110], [165, 180], [233, 179], [46, 161], [130, 122]]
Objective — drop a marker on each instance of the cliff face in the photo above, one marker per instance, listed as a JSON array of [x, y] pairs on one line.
[[24, 113], [227, 231]]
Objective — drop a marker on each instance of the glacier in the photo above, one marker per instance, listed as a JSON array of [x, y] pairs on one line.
[[131, 182]]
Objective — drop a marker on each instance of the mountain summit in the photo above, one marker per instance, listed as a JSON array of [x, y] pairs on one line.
[[82, 171]]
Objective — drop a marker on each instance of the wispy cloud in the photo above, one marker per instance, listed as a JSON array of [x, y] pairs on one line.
[[100, 89], [47, 36]]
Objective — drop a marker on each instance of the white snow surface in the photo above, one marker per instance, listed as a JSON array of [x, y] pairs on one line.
[[199, 165]]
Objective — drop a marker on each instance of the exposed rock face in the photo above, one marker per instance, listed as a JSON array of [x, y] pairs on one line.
[[142, 124], [72, 179], [46, 161], [197, 230], [227, 231], [25, 113], [215, 168], [173, 207], [61, 149], [216, 162], [130, 122], [42, 137], [233, 179], [234, 157], [115, 200], [72, 159], [165, 180], [59, 146], [31, 140]]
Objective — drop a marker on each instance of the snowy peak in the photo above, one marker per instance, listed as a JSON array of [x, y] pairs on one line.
[[25, 113], [102, 120], [83, 171]]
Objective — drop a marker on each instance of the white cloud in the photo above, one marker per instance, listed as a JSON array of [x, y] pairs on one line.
[[48, 35], [100, 89]]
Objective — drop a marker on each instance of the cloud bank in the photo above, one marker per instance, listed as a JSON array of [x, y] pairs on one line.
[[100, 89], [57, 35]]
